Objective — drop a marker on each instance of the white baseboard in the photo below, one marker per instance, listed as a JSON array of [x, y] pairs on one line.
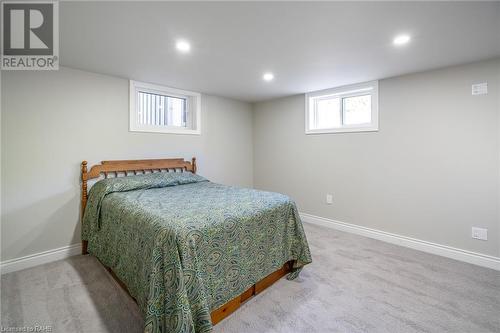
[[413, 243], [479, 259], [36, 259]]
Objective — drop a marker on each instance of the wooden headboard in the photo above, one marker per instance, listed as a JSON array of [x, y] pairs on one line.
[[130, 167]]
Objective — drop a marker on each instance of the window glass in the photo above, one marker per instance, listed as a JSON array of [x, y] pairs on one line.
[[351, 108], [327, 113], [161, 109], [357, 110]]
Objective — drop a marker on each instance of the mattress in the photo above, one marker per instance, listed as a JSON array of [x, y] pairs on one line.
[[184, 246]]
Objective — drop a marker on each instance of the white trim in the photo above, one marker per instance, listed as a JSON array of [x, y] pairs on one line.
[[470, 257], [345, 129], [365, 88], [36, 259], [413, 243], [193, 108]]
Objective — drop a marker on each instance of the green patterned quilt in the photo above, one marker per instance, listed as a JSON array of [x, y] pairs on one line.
[[184, 246]]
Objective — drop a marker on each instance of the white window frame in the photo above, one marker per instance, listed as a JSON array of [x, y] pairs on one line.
[[193, 108], [361, 89]]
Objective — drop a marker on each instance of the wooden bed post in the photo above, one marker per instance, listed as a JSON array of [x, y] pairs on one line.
[[193, 162], [84, 201]]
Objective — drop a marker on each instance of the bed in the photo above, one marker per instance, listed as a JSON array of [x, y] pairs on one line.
[[188, 251]]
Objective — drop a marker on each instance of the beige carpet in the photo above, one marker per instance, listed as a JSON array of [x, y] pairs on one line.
[[355, 284]]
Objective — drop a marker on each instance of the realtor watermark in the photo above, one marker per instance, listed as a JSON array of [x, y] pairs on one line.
[[30, 35], [34, 328]]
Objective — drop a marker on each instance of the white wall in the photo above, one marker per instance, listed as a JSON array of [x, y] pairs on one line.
[[53, 120], [431, 172]]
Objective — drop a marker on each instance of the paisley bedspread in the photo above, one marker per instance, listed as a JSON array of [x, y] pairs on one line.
[[184, 246]]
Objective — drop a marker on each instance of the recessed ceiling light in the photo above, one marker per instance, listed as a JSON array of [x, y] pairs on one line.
[[183, 46], [268, 76], [401, 40]]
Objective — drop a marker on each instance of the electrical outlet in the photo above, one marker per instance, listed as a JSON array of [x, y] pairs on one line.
[[329, 199], [479, 233]]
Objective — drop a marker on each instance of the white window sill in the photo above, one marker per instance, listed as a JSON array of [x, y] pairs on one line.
[[342, 130], [178, 131]]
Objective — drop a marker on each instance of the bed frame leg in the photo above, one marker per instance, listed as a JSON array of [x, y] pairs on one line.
[[84, 247]]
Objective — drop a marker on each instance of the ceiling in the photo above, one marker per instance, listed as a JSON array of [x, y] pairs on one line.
[[308, 46]]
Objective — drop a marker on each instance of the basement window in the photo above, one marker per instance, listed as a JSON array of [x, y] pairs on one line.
[[351, 108], [160, 109]]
